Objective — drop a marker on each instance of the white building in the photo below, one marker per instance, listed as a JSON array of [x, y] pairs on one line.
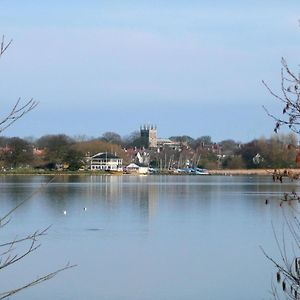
[[137, 169], [106, 162]]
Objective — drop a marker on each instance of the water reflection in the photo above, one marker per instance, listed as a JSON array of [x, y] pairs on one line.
[[170, 234]]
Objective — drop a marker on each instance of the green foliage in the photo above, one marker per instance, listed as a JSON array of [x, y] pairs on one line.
[[56, 147], [277, 152], [233, 162], [248, 152], [74, 159], [18, 153], [208, 160]]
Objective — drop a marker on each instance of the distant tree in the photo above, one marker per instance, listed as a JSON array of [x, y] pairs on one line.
[[233, 162], [208, 160], [3, 141], [202, 142], [247, 152], [229, 147], [56, 146], [112, 137], [81, 138], [74, 158], [20, 152], [95, 146], [184, 139], [54, 141], [134, 140], [279, 151]]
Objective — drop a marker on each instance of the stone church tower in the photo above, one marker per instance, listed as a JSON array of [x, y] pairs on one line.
[[149, 133]]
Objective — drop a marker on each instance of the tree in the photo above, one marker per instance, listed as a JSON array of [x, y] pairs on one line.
[[135, 140], [229, 147], [233, 162], [248, 151], [95, 146], [19, 109], [289, 98], [20, 152], [56, 147], [184, 139], [288, 269], [204, 141], [74, 159], [15, 250], [112, 137]]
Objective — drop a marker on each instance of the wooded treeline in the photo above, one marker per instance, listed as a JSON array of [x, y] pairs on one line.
[[46, 152]]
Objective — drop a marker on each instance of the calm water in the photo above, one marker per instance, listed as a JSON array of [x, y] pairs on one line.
[[140, 238]]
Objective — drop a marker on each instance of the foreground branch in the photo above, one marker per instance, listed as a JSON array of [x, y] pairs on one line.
[[17, 112], [7, 294]]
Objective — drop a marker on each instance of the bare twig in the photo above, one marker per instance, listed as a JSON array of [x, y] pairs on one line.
[[17, 112], [41, 279], [4, 46], [8, 256]]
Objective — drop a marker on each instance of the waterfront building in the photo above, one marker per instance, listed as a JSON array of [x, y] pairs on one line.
[[137, 169], [105, 162]]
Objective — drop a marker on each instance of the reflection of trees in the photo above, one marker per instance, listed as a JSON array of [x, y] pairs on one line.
[[16, 187], [110, 193]]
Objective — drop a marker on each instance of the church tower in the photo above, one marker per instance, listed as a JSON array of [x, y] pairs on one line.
[[149, 134]]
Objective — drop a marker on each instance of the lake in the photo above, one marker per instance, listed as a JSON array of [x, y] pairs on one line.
[[147, 237]]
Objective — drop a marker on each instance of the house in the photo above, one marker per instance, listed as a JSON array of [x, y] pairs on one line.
[[137, 169], [105, 162]]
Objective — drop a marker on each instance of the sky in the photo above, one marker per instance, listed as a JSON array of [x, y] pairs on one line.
[[189, 67]]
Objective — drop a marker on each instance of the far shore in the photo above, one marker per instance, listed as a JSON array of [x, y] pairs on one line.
[[253, 171], [231, 172]]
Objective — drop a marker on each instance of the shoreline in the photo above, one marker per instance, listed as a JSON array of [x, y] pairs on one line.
[[229, 172], [258, 172]]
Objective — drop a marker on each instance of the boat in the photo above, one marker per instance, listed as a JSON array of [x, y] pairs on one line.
[[199, 171], [193, 171]]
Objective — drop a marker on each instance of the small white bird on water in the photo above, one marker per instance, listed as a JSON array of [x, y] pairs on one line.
[[65, 212], [84, 208]]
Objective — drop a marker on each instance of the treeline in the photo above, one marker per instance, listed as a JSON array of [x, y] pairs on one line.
[[279, 151], [49, 151]]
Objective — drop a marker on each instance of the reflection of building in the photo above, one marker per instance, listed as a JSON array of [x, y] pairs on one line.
[[106, 162], [149, 134], [147, 197]]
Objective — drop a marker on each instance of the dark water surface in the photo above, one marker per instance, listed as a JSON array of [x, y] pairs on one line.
[[151, 237]]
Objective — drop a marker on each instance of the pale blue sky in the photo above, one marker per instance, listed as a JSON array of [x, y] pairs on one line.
[[191, 67]]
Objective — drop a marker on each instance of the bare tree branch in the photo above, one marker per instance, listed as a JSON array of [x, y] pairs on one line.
[[290, 88], [17, 112], [41, 279], [4, 46], [9, 256]]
